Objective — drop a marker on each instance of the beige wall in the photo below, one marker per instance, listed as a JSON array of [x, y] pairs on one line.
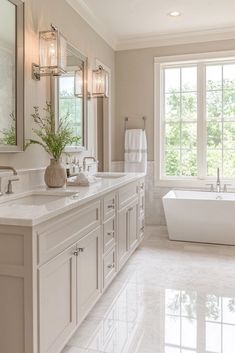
[[135, 87], [39, 15]]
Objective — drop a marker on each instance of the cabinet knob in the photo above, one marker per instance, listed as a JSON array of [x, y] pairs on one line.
[[75, 253], [131, 209], [111, 233], [142, 229], [81, 249], [111, 266], [110, 206]]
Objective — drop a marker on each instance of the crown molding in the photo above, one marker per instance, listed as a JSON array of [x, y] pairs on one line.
[[87, 14], [151, 40], [167, 39]]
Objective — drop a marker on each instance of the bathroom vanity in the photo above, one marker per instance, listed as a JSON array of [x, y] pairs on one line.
[[59, 251]]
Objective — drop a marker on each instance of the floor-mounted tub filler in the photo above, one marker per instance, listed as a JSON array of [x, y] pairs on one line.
[[207, 217]]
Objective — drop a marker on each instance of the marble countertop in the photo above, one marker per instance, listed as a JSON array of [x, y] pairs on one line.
[[16, 214]]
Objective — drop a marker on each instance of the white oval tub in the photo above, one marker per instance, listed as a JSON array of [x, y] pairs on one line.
[[206, 217]]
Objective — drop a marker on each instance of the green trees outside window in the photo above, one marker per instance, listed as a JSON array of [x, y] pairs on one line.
[[181, 119]]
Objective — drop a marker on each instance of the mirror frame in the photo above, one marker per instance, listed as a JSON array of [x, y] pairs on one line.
[[19, 104], [55, 102]]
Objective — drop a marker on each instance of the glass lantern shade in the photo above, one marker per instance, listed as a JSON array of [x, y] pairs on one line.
[[53, 52], [100, 83], [78, 83]]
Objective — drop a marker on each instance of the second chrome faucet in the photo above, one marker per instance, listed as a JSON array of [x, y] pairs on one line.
[[218, 186]]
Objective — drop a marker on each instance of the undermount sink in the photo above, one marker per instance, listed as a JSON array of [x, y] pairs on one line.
[[37, 199], [109, 175]]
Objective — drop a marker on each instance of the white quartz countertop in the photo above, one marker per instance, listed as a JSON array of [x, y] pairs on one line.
[[16, 214]]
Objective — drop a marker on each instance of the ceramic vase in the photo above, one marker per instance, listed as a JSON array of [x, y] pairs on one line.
[[55, 175]]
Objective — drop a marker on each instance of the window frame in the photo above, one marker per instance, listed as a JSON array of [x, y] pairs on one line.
[[201, 60], [55, 100], [72, 148]]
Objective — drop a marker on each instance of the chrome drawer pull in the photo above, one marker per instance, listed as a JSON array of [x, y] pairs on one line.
[[111, 266]]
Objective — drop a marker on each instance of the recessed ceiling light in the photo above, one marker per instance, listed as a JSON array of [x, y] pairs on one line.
[[174, 14]]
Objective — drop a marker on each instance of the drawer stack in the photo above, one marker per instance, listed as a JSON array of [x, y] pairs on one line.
[[109, 238]]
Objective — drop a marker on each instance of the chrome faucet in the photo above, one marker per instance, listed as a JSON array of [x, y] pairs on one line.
[[85, 159], [4, 167], [218, 183], [218, 186]]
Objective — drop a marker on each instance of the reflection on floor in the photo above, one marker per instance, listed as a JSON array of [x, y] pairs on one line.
[[171, 297]]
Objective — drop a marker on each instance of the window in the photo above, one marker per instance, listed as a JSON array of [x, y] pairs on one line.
[[71, 105], [70, 97], [220, 116], [180, 121], [196, 107]]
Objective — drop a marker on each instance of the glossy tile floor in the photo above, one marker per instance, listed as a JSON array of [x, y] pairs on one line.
[[171, 297]]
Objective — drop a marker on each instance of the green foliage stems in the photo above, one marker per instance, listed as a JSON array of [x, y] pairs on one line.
[[53, 139]]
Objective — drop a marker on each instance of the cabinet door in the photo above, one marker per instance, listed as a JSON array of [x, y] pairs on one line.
[[57, 301], [122, 236], [88, 272], [133, 225]]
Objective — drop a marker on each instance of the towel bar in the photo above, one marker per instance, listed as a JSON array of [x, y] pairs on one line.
[[126, 119]]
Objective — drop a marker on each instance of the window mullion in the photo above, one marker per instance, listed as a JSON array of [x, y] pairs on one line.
[[201, 124]]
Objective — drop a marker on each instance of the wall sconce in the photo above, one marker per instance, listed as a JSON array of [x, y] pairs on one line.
[[100, 83], [52, 54], [78, 83]]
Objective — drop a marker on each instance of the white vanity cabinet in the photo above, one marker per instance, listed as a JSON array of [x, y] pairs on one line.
[[88, 265], [57, 301], [52, 274], [128, 221]]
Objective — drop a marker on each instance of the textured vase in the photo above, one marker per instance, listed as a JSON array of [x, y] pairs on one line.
[[55, 175]]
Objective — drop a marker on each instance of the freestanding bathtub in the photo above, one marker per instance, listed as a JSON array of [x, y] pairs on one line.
[[207, 217]]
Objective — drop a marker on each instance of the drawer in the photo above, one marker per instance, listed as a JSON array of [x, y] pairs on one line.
[[109, 206], [56, 235], [109, 267], [127, 194], [109, 234]]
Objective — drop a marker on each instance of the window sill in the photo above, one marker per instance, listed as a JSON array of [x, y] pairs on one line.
[[193, 183]]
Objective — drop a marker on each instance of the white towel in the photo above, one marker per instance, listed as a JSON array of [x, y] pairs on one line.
[[139, 166], [82, 179], [133, 145]]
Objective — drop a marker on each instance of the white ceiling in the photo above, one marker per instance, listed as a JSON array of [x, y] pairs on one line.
[[138, 23]]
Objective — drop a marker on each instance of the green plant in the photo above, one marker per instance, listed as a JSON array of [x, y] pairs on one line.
[[9, 135], [53, 139]]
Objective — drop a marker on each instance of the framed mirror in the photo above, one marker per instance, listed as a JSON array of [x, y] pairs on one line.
[[11, 76], [70, 93]]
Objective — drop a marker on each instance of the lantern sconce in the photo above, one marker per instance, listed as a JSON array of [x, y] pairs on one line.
[[100, 83], [52, 54]]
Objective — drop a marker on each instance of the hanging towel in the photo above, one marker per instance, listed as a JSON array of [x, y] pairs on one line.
[[136, 165], [133, 145]]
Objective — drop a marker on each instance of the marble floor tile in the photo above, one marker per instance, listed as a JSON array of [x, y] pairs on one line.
[[170, 297]]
